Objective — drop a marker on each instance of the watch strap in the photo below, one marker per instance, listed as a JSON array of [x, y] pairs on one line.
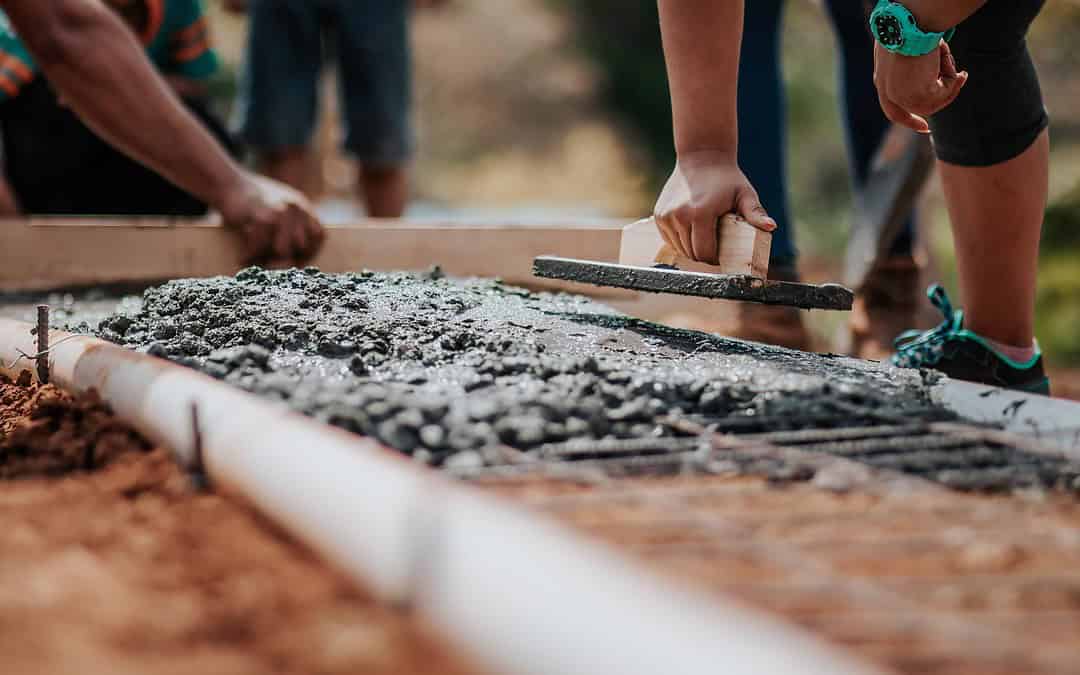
[[916, 42]]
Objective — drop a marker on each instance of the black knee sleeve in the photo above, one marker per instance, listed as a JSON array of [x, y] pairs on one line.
[[1000, 111]]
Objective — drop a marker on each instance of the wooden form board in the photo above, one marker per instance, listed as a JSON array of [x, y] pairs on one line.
[[51, 253], [742, 248], [46, 253]]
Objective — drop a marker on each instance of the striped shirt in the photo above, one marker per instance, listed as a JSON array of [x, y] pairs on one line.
[[176, 39]]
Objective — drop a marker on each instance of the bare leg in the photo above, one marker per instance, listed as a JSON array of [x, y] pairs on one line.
[[291, 166], [385, 190], [997, 215]]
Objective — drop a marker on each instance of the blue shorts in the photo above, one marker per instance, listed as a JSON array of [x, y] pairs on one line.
[[289, 43]]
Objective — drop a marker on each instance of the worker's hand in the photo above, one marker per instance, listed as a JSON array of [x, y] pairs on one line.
[[236, 6], [912, 88], [276, 223], [704, 187]]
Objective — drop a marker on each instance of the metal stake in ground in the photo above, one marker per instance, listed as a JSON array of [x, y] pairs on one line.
[[43, 343], [197, 471]]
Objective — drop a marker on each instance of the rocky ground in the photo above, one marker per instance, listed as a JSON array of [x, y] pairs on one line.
[[113, 563]]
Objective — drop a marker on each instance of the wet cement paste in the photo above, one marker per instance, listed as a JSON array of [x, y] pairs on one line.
[[454, 371]]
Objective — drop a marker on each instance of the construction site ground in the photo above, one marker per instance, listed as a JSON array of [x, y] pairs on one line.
[[923, 581], [844, 523], [119, 565]]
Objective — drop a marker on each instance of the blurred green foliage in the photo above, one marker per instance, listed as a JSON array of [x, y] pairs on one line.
[[623, 38]]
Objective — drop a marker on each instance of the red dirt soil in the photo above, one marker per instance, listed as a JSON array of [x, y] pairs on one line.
[[127, 569], [923, 582]]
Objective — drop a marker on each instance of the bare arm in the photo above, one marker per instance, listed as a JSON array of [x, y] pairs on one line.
[[701, 45], [938, 16], [90, 56], [95, 63]]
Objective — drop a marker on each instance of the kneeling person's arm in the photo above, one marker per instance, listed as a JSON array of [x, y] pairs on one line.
[[96, 64]]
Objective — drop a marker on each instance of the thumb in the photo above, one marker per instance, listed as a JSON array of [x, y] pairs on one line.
[[748, 205], [948, 63], [952, 87]]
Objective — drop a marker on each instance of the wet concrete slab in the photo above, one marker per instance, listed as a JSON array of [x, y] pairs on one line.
[[465, 373]]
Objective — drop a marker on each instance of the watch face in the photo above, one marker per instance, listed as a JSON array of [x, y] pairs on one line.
[[888, 30]]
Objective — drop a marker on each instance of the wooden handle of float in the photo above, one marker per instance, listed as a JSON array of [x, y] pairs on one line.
[[742, 249]]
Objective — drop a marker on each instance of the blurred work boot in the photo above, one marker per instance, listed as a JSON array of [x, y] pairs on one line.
[[886, 305], [773, 324]]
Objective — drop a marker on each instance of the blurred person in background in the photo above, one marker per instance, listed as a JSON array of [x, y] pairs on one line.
[[288, 45], [98, 68], [55, 165], [888, 301]]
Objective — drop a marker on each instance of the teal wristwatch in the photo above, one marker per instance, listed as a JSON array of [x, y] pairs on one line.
[[895, 29]]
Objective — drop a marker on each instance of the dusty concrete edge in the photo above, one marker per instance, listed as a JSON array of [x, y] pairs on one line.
[[1052, 423]]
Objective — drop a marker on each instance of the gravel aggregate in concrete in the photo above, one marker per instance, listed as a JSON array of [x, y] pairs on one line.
[[456, 371], [423, 362]]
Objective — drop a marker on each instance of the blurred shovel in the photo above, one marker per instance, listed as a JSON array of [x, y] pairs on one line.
[[900, 170]]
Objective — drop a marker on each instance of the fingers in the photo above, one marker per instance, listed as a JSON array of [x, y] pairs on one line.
[[674, 226], [282, 240], [665, 225], [902, 117], [912, 89], [683, 224], [748, 205], [316, 235], [948, 63], [912, 109], [953, 86], [300, 242], [255, 246], [703, 236]]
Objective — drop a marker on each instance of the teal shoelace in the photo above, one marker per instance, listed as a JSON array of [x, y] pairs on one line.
[[923, 349]]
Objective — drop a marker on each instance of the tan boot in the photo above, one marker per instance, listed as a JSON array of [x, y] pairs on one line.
[[772, 324], [887, 304]]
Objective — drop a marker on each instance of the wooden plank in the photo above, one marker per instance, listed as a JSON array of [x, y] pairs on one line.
[[48, 253], [743, 249]]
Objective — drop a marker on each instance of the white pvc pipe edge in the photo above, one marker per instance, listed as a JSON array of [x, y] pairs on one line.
[[520, 594], [1053, 422]]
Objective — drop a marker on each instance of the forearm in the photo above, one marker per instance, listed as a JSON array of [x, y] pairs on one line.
[[701, 46], [938, 16], [99, 69]]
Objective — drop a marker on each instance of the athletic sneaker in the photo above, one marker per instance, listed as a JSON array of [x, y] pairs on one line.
[[963, 355]]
